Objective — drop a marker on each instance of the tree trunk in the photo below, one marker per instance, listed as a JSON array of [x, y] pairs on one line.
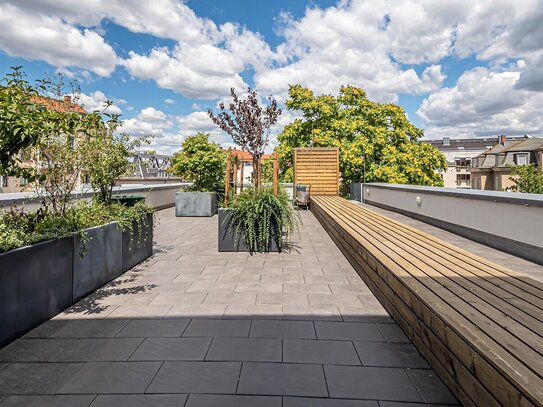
[[256, 172]]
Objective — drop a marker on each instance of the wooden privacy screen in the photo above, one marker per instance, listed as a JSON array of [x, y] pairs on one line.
[[318, 167]]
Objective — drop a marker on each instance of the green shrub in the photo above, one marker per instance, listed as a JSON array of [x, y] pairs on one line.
[[259, 219], [20, 228]]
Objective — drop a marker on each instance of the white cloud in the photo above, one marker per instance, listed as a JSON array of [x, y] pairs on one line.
[[97, 101], [196, 106], [169, 101]]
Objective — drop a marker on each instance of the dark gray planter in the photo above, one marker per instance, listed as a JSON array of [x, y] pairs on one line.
[[98, 260], [227, 241], [35, 284], [195, 203], [137, 244]]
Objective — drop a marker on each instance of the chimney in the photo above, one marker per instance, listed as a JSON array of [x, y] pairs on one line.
[[67, 98], [502, 139], [446, 141]]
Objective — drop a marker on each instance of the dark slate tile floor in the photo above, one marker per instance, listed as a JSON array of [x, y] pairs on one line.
[[193, 327]]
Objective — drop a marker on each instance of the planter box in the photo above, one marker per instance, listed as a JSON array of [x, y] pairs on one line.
[[195, 203], [227, 239], [101, 262], [137, 244], [35, 284]]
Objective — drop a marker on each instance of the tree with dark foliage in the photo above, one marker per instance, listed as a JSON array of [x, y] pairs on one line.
[[249, 125]]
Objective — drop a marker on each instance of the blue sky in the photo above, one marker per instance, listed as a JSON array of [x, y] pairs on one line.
[[457, 69]]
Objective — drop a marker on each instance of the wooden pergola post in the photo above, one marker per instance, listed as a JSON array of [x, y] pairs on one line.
[[275, 174], [227, 178], [236, 176], [241, 176]]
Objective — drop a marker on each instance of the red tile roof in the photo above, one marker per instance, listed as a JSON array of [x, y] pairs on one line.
[[65, 105]]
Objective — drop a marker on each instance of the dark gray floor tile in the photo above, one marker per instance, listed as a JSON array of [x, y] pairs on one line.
[[283, 329], [348, 331], [140, 400], [150, 328], [48, 401], [245, 349], [196, 377], [99, 350], [36, 378], [282, 379], [218, 327], [370, 383], [79, 328], [111, 377], [172, 349], [212, 400], [431, 387], [400, 404], [389, 354], [319, 351], [393, 333], [317, 402], [34, 350]]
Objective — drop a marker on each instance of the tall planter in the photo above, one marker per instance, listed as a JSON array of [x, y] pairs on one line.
[[227, 239], [98, 259], [35, 284], [195, 203], [137, 243]]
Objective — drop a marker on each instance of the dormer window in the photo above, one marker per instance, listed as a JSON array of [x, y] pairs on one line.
[[521, 159]]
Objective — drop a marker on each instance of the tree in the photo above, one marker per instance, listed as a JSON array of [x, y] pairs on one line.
[[201, 162], [249, 125], [527, 178], [376, 141]]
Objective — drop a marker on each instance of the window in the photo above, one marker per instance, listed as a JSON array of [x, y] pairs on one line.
[[463, 179], [521, 159], [497, 184]]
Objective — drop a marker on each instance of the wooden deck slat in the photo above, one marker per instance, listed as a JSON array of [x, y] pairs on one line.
[[420, 274]]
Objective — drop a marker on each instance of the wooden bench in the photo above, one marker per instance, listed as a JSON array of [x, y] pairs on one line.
[[478, 324]]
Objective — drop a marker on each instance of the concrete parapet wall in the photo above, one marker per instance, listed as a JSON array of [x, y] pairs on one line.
[[512, 222]]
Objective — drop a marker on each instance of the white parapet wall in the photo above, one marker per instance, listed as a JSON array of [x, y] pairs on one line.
[[159, 196], [512, 222]]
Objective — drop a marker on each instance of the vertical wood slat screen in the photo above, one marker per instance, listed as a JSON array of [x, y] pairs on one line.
[[318, 167]]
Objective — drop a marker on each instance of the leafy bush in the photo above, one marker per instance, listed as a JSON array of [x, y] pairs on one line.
[[527, 178], [19, 228], [259, 218]]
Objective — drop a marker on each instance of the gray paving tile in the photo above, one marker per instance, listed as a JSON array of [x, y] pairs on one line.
[[324, 313], [349, 331], [196, 377], [393, 333], [134, 311], [213, 400], [212, 311], [211, 286], [48, 401], [245, 349], [171, 298], [283, 329], [99, 350], [160, 328], [319, 402], [140, 400], [238, 311], [172, 349], [230, 298], [111, 377], [319, 351], [348, 300], [365, 314], [36, 378], [88, 328], [375, 383], [314, 288], [282, 379], [389, 355], [34, 350], [269, 287], [431, 387], [281, 299], [217, 327], [400, 404]]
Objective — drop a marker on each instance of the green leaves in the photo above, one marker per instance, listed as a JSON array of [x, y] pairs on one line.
[[376, 141], [527, 178], [201, 162]]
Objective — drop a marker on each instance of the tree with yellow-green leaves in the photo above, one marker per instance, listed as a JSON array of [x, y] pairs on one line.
[[373, 138]]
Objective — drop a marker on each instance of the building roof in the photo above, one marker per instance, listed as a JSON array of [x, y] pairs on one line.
[[476, 143], [65, 105], [246, 156], [531, 144]]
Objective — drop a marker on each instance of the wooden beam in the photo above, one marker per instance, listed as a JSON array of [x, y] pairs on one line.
[[242, 181], [235, 177], [275, 174], [227, 178]]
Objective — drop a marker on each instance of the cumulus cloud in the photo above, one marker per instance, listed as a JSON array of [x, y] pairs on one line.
[[96, 101]]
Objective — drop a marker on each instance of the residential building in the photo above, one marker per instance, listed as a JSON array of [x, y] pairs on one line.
[[459, 154], [491, 170], [245, 174]]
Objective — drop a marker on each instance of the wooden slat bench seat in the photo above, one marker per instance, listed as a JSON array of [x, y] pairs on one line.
[[478, 324]]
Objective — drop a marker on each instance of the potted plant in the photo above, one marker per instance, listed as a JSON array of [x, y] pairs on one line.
[[257, 220], [202, 163]]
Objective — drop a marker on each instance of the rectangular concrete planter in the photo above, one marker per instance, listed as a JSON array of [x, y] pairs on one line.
[[35, 284], [98, 259], [137, 244], [39, 281], [227, 241], [195, 203]]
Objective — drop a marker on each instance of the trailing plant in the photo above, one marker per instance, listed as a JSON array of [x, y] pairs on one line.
[[259, 219], [201, 162]]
